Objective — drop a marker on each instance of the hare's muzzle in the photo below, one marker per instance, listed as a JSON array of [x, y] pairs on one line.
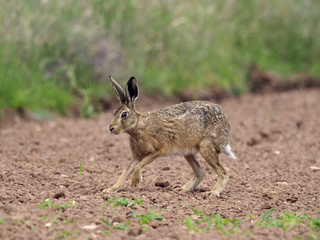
[[114, 130]]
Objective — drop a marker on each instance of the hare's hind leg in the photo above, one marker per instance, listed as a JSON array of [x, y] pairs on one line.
[[209, 153], [196, 179]]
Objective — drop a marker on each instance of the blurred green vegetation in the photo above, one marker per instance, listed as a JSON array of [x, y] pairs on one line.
[[54, 52]]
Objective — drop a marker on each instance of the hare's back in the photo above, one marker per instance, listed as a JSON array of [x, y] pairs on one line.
[[185, 125], [203, 111], [195, 117]]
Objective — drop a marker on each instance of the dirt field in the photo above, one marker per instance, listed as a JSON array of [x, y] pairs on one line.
[[275, 137]]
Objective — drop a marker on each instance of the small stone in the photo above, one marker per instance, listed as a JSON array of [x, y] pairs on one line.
[[313, 199], [282, 183], [276, 152], [90, 227], [48, 224], [314, 168]]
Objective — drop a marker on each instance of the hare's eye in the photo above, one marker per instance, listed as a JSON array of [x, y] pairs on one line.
[[124, 115]]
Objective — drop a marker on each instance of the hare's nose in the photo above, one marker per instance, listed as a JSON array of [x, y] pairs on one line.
[[111, 129]]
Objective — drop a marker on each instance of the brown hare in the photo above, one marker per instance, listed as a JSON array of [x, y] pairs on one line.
[[184, 128]]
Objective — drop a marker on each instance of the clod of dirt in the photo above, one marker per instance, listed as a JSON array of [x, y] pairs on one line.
[[162, 184], [166, 169], [135, 232], [292, 199], [299, 124], [267, 196], [174, 236], [252, 142], [264, 134], [265, 206], [116, 219], [59, 195]]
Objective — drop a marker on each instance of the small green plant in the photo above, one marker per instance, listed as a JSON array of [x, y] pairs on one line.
[[2, 221], [106, 222], [48, 203], [68, 220], [205, 222], [66, 235], [146, 218], [28, 224], [80, 169], [285, 221], [314, 223], [126, 202], [105, 232], [125, 226]]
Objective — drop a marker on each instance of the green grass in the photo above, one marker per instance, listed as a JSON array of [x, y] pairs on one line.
[[80, 169], [55, 52], [2, 220], [285, 221], [48, 203], [146, 218], [126, 202], [28, 224], [125, 226], [205, 222], [288, 220], [67, 235]]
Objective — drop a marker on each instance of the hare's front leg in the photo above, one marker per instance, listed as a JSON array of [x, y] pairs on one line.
[[123, 176], [209, 153], [137, 176]]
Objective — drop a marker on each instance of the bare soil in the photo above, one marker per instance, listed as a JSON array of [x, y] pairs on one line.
[[275, 136]]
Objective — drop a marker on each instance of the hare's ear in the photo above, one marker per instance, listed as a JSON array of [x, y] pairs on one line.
[[132, 91], [119, 91]]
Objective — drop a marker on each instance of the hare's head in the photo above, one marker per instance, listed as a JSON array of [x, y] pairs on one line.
[[125, 117]]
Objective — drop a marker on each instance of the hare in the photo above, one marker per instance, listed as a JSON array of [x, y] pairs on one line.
[[185, 128]]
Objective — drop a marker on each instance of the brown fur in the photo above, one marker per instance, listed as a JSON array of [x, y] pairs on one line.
[[185, 128]]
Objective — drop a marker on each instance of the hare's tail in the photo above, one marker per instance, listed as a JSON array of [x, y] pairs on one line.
[[228, 152]]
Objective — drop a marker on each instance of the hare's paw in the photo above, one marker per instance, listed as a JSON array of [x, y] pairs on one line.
[[136, 179], [178, 188], [110, 190], [213, 193]]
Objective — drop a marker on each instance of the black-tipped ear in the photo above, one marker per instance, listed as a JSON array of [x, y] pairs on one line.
[[132, 91], [119, 91]]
